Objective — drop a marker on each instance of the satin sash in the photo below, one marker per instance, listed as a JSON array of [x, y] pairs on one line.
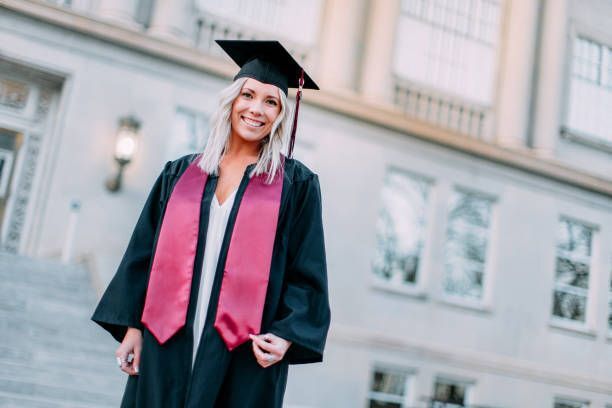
[[247, 267]]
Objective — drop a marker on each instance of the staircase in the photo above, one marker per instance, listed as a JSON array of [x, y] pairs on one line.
[[51, 354]]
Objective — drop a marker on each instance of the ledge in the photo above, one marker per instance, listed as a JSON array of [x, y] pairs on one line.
[[476, 360], [569, 326], [474, 305], [587, 140], [413, 291], [386, 116]]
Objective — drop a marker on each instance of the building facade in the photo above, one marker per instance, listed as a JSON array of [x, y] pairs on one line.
[[464, 150]]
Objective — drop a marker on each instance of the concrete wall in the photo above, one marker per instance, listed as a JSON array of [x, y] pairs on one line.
[[507, 346]]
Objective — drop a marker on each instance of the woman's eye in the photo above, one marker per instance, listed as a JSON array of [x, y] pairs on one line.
[[246, 94], [272, 102]]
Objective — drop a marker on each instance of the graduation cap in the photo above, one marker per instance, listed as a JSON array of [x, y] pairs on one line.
[[269, 62]]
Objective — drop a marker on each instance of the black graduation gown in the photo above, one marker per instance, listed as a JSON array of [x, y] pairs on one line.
[[296, 307]]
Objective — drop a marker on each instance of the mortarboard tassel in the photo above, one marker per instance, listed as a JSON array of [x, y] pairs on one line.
[[298, 96]]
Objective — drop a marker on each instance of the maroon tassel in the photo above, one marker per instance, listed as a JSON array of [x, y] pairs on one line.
[[298, 96]]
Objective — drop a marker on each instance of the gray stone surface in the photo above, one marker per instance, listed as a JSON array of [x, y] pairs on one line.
[[51, 354]]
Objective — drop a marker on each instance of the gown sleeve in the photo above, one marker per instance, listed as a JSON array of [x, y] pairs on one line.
[[121, 304], [304, 314]]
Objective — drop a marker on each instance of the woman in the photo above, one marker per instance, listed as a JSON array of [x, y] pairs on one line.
[[223, 283]]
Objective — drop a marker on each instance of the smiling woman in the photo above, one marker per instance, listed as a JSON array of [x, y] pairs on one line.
[[224, 282]]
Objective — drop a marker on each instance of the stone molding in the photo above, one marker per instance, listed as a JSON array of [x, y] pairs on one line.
[[479, 361]]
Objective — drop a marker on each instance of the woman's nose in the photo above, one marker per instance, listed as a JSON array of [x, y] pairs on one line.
[[256, 107]]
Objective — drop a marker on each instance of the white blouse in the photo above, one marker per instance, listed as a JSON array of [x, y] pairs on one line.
[[217, 221]]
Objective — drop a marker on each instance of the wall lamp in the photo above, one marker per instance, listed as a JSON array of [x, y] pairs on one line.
[[125, 147]]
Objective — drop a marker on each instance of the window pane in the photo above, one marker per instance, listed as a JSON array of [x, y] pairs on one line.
[[389, 383], [457, 42], [466, 244], [401, 228], [610, 306], [387, 389], [590, 94], [569, 306], [189, 133], [574, 248], [380, 404], [572, 273], [575, 238], [449, 394], [571, 404], [610, 313]]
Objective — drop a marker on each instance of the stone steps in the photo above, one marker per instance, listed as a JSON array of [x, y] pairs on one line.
[[10, 400], [70, 377], [51, 353]]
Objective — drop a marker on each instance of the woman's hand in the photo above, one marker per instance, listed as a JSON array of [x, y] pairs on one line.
[[269, 349], [128, 353]]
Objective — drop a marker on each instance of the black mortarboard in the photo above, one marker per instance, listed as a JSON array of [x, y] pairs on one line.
[[269, 62], [266, 61]]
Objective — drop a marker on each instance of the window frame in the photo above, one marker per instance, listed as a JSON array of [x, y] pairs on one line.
[[571, 400], [408, 399], [469, 385], [579, 30], [587, 327], [484, 303], [418, 288]]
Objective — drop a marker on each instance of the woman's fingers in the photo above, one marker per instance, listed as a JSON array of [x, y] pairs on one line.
[[259, 355], [128, 352], [136, 362], [268, 346], [122, 358], [266, 353]]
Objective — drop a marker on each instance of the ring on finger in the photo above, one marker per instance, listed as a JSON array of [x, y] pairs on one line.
[[270, 358], [120, 361]]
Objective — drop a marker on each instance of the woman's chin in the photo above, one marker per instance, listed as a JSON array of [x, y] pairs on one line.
[[249, 137]]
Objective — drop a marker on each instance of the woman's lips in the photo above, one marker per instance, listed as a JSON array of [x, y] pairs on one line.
[[252, 122]]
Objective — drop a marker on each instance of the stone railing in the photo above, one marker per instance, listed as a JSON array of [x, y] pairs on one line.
[[83, 6], [444, 110], [210, 27]]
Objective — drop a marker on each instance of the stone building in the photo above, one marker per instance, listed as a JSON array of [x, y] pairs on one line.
[[464, 150]]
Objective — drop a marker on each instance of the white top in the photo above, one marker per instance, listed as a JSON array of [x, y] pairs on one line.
[[217, 221]]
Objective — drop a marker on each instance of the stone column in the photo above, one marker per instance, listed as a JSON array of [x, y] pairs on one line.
[[340, 44], [119, 11], [550, 78], [172, 20], [516, 72], [376, 82]]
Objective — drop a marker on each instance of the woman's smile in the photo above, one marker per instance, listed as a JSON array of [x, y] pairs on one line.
[[252, 122]]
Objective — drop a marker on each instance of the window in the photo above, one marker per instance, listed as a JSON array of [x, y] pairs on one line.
[[388, 388], [189, 133], [456, 40], [567, 403], [466, 245], [574, 251], [590, 93], [610, 306], [449, 393], [401, 228]]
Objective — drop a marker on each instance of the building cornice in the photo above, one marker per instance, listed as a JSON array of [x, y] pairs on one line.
[[478, 360], [351, 105]]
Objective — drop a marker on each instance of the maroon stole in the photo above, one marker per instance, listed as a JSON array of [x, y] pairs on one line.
[[247, 267]]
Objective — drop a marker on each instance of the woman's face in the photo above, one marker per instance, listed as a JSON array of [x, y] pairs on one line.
[[254, 110]]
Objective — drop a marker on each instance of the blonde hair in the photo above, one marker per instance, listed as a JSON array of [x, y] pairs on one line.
[[219, 136]]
